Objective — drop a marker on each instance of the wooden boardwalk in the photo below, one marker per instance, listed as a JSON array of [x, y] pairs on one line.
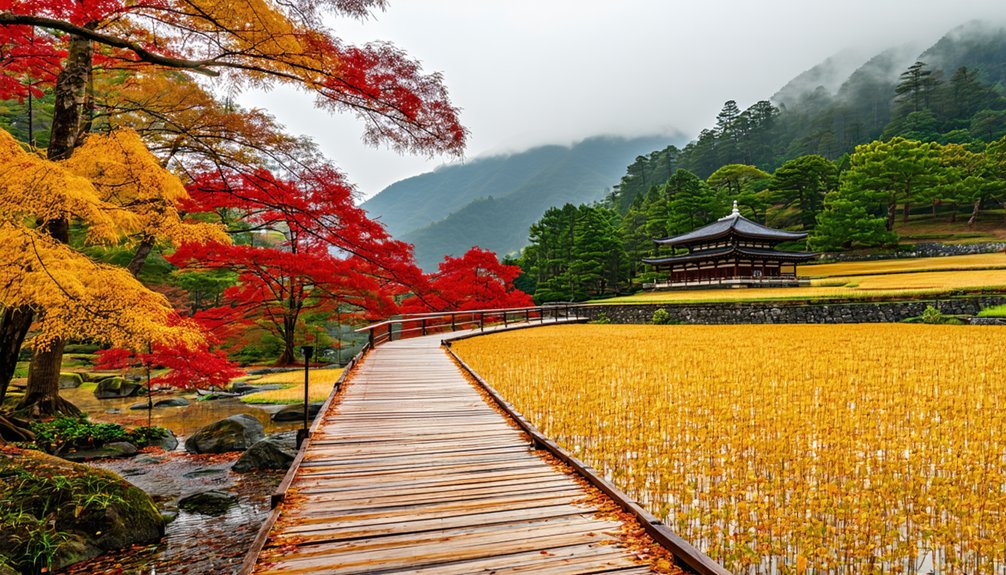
[[411, 471]]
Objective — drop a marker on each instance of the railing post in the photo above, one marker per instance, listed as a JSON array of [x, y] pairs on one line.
[[424, 326], [527, 315], [505, 323], [370, 338], [482, 321], [454, 327]]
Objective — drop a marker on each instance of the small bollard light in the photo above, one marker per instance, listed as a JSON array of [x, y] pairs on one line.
[[308, 352]]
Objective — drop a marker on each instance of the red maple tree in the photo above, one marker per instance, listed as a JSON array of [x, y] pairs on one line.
[[476, 280], [302, 248]]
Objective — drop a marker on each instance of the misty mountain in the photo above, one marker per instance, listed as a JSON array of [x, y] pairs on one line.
[[953, 91], [491, 202]]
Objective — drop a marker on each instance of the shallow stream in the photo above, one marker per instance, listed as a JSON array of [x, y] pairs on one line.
[[193, 544]]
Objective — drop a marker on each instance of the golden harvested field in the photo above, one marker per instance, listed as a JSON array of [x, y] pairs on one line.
[[975, 261], [321, 383], [869, 448]]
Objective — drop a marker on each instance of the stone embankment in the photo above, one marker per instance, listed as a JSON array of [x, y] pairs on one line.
[[920, 250], [791, 312]]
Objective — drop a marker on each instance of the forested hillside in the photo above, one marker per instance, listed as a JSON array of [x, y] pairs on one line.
[[491, 202], [907, 148]]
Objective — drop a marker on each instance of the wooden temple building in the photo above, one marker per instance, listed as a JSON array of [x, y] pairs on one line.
[[732, 251]]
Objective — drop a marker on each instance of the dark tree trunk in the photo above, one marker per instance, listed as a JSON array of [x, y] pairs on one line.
[[953, 213], [140, 257], [70, 94], [15, 324], [905, 211], [42, 396], [289, 355], [42, 399], [975, 209], [892, 211]]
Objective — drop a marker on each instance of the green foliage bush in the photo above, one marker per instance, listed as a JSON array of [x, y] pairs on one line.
[[602, 318], [994, 311], [66, 433], [932, 315], [660, 317]]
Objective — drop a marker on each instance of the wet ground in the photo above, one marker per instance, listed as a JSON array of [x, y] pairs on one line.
[[193, 544], [183, 421]]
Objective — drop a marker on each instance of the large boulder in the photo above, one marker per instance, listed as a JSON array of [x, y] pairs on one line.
[[265, 454], [235, 433], [93, 510], [207, 502], [116, 387], [70, 380], [295, 412]]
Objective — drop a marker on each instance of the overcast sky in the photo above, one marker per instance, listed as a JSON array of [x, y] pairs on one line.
[[531, 72]]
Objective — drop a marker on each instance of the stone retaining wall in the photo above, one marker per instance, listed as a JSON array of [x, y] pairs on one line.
[[788, 312], [921, 250]]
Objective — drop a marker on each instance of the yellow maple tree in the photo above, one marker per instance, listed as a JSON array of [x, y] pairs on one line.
[[114, 190]]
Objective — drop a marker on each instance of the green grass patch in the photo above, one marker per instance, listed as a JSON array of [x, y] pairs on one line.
[[994, 311]]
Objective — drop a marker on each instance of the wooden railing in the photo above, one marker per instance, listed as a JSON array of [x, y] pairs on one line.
[[419, 324]]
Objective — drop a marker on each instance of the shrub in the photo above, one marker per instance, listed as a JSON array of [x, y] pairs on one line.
[[602, 318], [66, 433], [932, 315], [660, 317]]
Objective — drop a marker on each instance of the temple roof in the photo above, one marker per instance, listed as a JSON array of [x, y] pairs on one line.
[[735, 224], [729, 250]]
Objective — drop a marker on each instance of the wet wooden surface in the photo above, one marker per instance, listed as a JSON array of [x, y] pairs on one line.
[[412, 472]]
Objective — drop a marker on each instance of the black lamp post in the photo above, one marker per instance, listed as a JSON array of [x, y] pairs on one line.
[[308, 352]]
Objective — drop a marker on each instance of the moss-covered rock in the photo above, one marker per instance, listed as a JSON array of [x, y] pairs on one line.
[[70, 380], [235, 433], [116, 387], [54, 513]]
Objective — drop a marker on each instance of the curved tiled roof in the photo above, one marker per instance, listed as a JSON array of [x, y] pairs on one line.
[[719, 252], [735, 224]]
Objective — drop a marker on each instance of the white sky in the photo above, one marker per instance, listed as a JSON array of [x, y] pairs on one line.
[[532, 72]]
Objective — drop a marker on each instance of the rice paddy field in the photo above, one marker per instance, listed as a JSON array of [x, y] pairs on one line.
[[880, 279], [844, 449], [320, 383]]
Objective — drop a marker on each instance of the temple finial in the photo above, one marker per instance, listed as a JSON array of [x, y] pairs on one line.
[[735, 211]]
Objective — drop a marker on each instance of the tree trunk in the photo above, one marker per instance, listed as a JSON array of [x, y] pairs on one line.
[[289, 355], [904, 212], [70, 96], [953, 213], [892, 211], [42, 397], [15, 324], [975, 209], [140, 257]]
